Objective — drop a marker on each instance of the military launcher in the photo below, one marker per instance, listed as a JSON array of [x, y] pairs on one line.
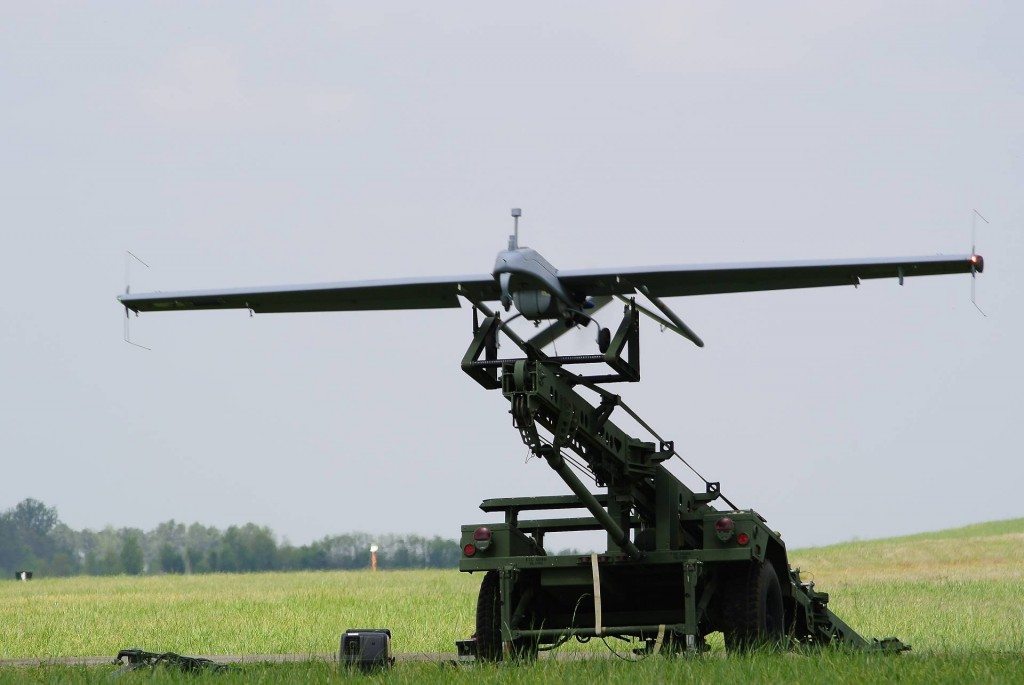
[[679, 564], [676, 567]]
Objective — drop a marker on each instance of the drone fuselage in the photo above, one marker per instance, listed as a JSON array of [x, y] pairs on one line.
[[531, 283]]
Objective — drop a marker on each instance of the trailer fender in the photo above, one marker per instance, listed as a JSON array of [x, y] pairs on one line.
[[775, 554]]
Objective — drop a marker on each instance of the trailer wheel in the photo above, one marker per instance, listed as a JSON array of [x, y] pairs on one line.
[[751, 608], [488, 619], [488, 624]]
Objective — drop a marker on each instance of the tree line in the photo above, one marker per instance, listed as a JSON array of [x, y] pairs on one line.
[[33, 538]]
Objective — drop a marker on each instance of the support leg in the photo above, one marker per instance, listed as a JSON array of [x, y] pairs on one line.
[[507, 581], [691, 574]]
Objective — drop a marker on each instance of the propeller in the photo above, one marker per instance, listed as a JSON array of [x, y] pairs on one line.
[[974, 256], [128, 256]]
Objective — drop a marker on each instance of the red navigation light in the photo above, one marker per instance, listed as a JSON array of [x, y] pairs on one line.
[[724, 525], [469, 550], [482, 533], [743, 538]]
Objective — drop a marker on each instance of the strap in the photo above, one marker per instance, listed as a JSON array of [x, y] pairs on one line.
[[597, 593], [660, 639]]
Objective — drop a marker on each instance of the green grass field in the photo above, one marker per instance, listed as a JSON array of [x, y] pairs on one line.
[[957, 596]]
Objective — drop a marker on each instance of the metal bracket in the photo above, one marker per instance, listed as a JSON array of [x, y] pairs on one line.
[[485, 344], [692, 571], [605, 409]]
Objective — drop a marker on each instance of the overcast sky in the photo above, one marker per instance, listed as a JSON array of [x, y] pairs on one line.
[[234, 145]]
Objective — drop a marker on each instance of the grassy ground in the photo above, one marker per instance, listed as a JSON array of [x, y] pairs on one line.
[[261, 613], [954, 591], [957, 596], [818, 668]]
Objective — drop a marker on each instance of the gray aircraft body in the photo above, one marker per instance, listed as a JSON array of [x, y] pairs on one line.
[[522, 278]]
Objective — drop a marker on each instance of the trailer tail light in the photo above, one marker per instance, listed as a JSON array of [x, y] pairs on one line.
[[469, 550], [724, 528], [482, 538], [742, 538]]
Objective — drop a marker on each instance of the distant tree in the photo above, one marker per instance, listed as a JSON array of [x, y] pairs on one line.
[[313, 556], [397, 555], [90, 563], [262, 548], [196, 561], [201, 543], [212, 561], [349, 551], [171, 559], [32, 516], [13, 550], [110, 563], [32, 537], [68, 553], [442, 553], [131, 554], [167, 533], [248, 548], [63, 563], [31, 544]]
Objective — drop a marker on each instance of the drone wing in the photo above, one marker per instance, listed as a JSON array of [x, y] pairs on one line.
[[402, 293], [708, 279]]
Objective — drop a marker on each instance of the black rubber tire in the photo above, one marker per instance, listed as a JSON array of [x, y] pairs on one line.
[[752, 611], [488, 619], [488, 624]]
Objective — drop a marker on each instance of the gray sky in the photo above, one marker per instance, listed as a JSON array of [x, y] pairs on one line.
[[235, 145]]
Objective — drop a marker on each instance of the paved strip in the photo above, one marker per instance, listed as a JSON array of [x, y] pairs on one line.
[[425, 657], [408, 657]]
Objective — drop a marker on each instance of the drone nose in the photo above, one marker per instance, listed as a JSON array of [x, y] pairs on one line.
[[505, 280]]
